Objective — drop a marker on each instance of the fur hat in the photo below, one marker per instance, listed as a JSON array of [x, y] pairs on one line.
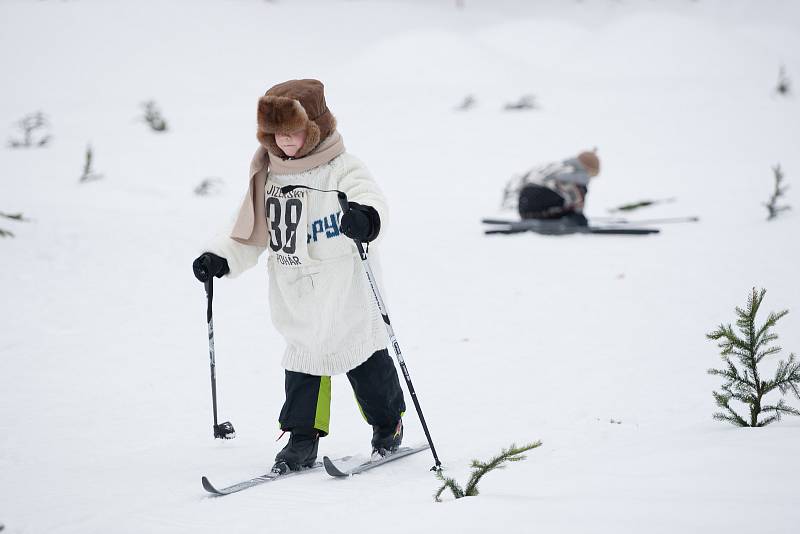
[[292, 106], [591, 162]]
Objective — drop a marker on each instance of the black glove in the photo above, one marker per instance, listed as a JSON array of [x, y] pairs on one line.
[[209, 264], [361, 223]]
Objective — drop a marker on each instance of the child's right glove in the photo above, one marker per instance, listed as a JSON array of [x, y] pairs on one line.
[[209, 264], [361, 223]]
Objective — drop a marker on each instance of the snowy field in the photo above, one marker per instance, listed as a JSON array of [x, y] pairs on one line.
[[105, 419]]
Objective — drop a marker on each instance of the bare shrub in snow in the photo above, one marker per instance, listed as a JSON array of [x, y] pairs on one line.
[[12, 216], [209, 186], [467, 103], [512, 454], [524, 102], [153, 117], [88, 173], [33, 128], [772, 205], [784, 86], [744, 382]]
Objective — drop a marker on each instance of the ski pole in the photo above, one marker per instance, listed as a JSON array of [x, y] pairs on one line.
[[385, 314], [225, 430], [613, 220]]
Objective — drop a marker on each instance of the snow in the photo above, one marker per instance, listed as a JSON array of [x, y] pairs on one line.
[[105, 423]]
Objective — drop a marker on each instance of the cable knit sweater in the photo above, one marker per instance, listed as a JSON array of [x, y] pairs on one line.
[[320, 299]]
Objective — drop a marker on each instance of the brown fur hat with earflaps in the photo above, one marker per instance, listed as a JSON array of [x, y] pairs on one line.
[[291, 106]]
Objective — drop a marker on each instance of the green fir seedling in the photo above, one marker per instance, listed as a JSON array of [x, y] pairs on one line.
[[512, 454], [743, 382]]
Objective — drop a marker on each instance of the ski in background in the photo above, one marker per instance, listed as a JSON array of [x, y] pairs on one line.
[[666, 220], [557, 227]]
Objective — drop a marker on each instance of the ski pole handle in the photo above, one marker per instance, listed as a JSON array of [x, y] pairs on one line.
[[343, 202], [345, 205]]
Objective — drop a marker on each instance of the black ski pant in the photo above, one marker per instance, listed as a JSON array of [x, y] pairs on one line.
[[375, 384], [540, 202]]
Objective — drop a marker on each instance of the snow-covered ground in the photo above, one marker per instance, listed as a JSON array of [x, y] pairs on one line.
[[105, 413]]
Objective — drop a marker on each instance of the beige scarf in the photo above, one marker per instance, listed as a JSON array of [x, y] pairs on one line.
[[251, 223]]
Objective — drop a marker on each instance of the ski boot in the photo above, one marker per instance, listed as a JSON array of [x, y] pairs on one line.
[[387, 439], [300, 453]]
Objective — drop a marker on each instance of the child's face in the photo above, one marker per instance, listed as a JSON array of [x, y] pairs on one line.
[[292, 142]]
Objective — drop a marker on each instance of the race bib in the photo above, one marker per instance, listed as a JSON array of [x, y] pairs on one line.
[[286, 221]]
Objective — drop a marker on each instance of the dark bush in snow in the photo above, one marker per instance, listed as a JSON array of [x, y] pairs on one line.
[[209, 186], [784, 86], [153, 117], [88, 173], [32, 127], [524, 102], [772, 205]]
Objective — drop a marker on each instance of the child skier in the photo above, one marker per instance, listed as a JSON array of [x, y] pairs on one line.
[[554, 191], [319, 296]]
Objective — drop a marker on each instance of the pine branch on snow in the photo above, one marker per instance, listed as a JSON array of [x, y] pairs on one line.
[[743, 382], [479, 469], [13, 217]]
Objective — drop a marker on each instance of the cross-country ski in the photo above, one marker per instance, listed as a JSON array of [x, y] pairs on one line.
[[335, 470]]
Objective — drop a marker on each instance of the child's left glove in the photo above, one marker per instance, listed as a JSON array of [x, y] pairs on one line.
[[361, 223]]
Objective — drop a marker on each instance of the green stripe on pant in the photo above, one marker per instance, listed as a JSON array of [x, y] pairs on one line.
[[375, 384]]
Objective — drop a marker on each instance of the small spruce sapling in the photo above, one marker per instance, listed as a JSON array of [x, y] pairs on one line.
[[512, 454], [779, 190], [743, 382]]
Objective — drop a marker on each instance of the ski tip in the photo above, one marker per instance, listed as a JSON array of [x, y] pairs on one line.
[[331, 469], [209, 487]]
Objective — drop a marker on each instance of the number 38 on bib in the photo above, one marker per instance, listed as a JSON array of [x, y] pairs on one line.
[[285, 219]]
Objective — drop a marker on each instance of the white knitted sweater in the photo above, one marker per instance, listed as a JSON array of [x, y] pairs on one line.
[[319, 297]]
